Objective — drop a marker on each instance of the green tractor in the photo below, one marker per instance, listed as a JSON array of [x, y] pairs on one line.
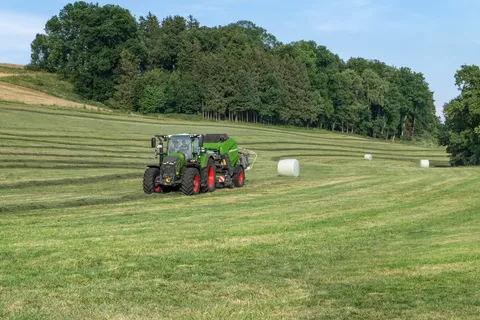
[[195, 163]]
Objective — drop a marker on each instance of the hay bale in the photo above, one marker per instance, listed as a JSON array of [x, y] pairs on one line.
[[368, 157], [288, 168], [424, 163]]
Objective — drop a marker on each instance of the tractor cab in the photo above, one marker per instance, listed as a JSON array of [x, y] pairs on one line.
[[184, 144]]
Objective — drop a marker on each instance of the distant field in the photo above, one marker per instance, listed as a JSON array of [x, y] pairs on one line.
[[348, 239]]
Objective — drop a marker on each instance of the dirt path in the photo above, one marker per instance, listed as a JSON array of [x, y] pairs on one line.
[[13, 93]]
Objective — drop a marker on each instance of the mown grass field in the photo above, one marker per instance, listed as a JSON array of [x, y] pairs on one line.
[[348, 239]]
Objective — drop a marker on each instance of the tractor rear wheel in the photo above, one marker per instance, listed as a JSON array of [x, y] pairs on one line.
[[239, 177], [210, 186], [149, 181], [191, 182]]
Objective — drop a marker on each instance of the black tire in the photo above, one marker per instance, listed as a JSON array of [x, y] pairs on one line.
[[239, 177], [210, 186], [191, 182], [149, 181]]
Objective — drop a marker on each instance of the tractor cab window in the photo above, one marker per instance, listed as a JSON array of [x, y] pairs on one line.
[[180, 144], [196, 148]]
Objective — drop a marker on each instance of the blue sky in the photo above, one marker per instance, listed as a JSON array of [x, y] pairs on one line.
[[432, 37]]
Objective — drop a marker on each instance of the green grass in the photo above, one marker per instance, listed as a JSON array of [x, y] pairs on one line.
[[348, 239]]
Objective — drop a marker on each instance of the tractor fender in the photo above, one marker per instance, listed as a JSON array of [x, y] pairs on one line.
[[153, 166], [238, 167], [192, 165], [206, 161], [243, 157]]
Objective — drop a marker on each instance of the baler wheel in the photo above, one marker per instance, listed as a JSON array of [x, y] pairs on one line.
[[239, 177], [210, 187]]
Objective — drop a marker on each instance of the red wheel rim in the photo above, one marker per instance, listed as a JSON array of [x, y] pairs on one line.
[[157, 188], [195, 183], [240, 177], [211, 177]]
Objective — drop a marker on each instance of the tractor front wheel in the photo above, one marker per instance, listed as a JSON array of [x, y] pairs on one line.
[[149, 181], [239, 177], [191, 182]]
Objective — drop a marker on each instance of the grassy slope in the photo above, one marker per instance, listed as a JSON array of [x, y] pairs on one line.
[[44, 82], [347, 239], [11, 69]]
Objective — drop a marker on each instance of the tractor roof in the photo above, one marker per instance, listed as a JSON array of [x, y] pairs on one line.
[[215, 137]]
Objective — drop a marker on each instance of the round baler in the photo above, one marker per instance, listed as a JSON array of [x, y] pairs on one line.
[[195, 163]]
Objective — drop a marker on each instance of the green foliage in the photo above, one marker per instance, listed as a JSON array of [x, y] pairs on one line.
[[149, 92], [246, 96], [84, 43], [256, 35], [237, 72], [461, 133], [124, 90], [170, 42]]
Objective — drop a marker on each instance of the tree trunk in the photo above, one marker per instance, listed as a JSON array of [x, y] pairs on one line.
[[403, 126], [413, 126]]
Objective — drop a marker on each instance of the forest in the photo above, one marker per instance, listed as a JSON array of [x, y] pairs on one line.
[[461, 131], [236, 72]]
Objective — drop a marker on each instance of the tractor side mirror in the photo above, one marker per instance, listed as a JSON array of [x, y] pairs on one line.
[[200, 141], [154, 142]]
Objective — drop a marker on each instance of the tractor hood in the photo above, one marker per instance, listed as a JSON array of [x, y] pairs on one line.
[[173, 164], [177, 159], [173, 158]]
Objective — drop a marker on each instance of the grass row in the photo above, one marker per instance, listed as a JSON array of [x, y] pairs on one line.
[[347, 239]]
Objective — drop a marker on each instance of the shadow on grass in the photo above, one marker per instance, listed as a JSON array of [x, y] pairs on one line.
[[27, 154], [53, 136], [434, 163], [100, 149], [70, 143], [68, 181], [69, 204], [349, 146]]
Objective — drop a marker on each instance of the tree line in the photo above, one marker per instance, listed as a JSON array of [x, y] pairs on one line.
[[237, 72], [461, 131]]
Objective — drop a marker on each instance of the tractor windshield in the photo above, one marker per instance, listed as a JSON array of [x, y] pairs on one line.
[[180, 144]]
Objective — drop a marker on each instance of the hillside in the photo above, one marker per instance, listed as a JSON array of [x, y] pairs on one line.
[[348, 239], [38, 88]]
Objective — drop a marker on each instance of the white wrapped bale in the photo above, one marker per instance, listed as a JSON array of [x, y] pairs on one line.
[[288, 167], [424, 163], [368, 157]]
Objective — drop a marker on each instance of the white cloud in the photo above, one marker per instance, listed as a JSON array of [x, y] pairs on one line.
[[351, 16], [208, 8], [17, 30]]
